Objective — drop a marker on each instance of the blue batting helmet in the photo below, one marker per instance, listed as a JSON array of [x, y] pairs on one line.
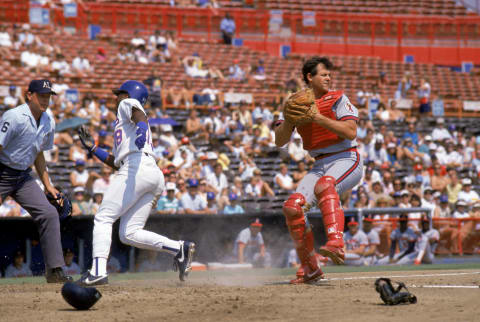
[[135, 89]]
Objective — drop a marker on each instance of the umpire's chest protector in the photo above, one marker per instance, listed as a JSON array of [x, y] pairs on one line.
[[313, 135]]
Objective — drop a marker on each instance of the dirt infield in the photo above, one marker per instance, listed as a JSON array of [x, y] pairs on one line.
[[249, 296]]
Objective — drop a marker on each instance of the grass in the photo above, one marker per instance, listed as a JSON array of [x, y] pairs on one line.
[[256, 272]]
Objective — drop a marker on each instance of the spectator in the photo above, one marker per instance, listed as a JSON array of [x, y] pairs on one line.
[[10, 208], [403, 86], [461, 209], [168, 204], [377, 153], [257, 187], [424, 96], [5, 42], [12, 99], [155, 86], [295, 148], [355, 243], [300, 173], [236, 72], [227, 27], [193, 124], [467, 194], [101, 55], [96, 200], [18, 268], [283, 180], [217, 181], [101, 181], [193, 67], [80, 206], [167, 138], [233, 207], [237, 187], [439, 181], [137, 40], [182, 189], [60, 65], [80, 175], [443, 209], [70, 268], [411, 133], [76, 151], [211, 203], [440, 133], [250, 247], [81, 65], [258, 71], [191, 202]]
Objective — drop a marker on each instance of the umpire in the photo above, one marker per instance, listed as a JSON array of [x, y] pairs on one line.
[[25, 132]]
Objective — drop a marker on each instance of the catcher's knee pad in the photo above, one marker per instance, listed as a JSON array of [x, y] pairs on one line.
[[292, 209], [329, 205], [325, 189]]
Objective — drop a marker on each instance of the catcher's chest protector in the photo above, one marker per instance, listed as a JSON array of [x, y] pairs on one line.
[[313, 135]]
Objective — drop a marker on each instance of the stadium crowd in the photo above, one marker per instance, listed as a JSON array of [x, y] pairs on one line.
[[222, 159]]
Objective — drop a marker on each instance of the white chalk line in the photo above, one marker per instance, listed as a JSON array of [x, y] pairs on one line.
[[398, 276], [445, 286]]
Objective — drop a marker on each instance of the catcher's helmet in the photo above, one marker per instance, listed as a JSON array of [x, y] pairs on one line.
[[81, 298], [135, 89]]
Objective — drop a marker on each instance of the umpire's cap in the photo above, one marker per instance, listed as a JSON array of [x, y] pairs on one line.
[[42, 86], [81, 298]]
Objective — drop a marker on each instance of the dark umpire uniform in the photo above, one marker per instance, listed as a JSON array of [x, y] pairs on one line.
[[25, 132]]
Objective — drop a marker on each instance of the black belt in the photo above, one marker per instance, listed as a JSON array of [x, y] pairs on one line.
[[12, 171]]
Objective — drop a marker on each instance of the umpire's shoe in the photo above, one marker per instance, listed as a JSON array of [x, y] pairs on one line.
[[56, 275], [88, 279], [183, 260]]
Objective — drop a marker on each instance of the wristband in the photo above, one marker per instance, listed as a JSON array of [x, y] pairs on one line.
[[101, 154], [142, 125]]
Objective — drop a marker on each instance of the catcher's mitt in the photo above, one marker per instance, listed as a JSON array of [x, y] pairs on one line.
[[300, 107], [62, 204], [391, 295]]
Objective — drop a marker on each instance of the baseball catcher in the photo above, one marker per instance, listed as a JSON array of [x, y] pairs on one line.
[[327, 123]]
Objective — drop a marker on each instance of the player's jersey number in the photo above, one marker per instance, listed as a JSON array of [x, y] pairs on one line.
[[5, 127], [118, 137]]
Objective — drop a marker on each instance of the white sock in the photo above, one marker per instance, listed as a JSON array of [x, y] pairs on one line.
[[99, 266]]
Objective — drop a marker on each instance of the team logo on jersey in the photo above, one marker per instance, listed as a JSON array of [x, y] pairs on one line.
[[349, 106], [329, 97]]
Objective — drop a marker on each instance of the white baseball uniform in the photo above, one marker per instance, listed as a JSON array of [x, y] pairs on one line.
[[353, 242], [131, 195], [403, 239], [373, 239], [423, 248]]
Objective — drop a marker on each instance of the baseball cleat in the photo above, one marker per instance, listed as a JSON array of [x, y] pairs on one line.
[[57, 275], [336, 254], [183, 260], [308, 278], [88, 279]]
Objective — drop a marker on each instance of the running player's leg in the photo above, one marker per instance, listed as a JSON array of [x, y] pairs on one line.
[[132, 232]]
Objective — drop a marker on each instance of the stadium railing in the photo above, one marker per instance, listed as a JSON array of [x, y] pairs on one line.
[[431, 39]]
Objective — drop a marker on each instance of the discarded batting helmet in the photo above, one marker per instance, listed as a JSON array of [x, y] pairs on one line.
[[81, 298]]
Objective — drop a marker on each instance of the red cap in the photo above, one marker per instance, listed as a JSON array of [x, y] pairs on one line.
[[185, 140], [417, 167], [256, 223], [165, 171], [352, 222], [368, 218]]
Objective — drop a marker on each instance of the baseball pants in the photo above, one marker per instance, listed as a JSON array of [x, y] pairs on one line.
[[131, 195], [354, 259], [345, 167], [27, 193]]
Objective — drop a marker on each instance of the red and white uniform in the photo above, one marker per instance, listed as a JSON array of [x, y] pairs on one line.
[[346, 166]]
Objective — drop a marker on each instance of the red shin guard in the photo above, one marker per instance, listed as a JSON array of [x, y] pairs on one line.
[[303, 239], [332, 213]]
